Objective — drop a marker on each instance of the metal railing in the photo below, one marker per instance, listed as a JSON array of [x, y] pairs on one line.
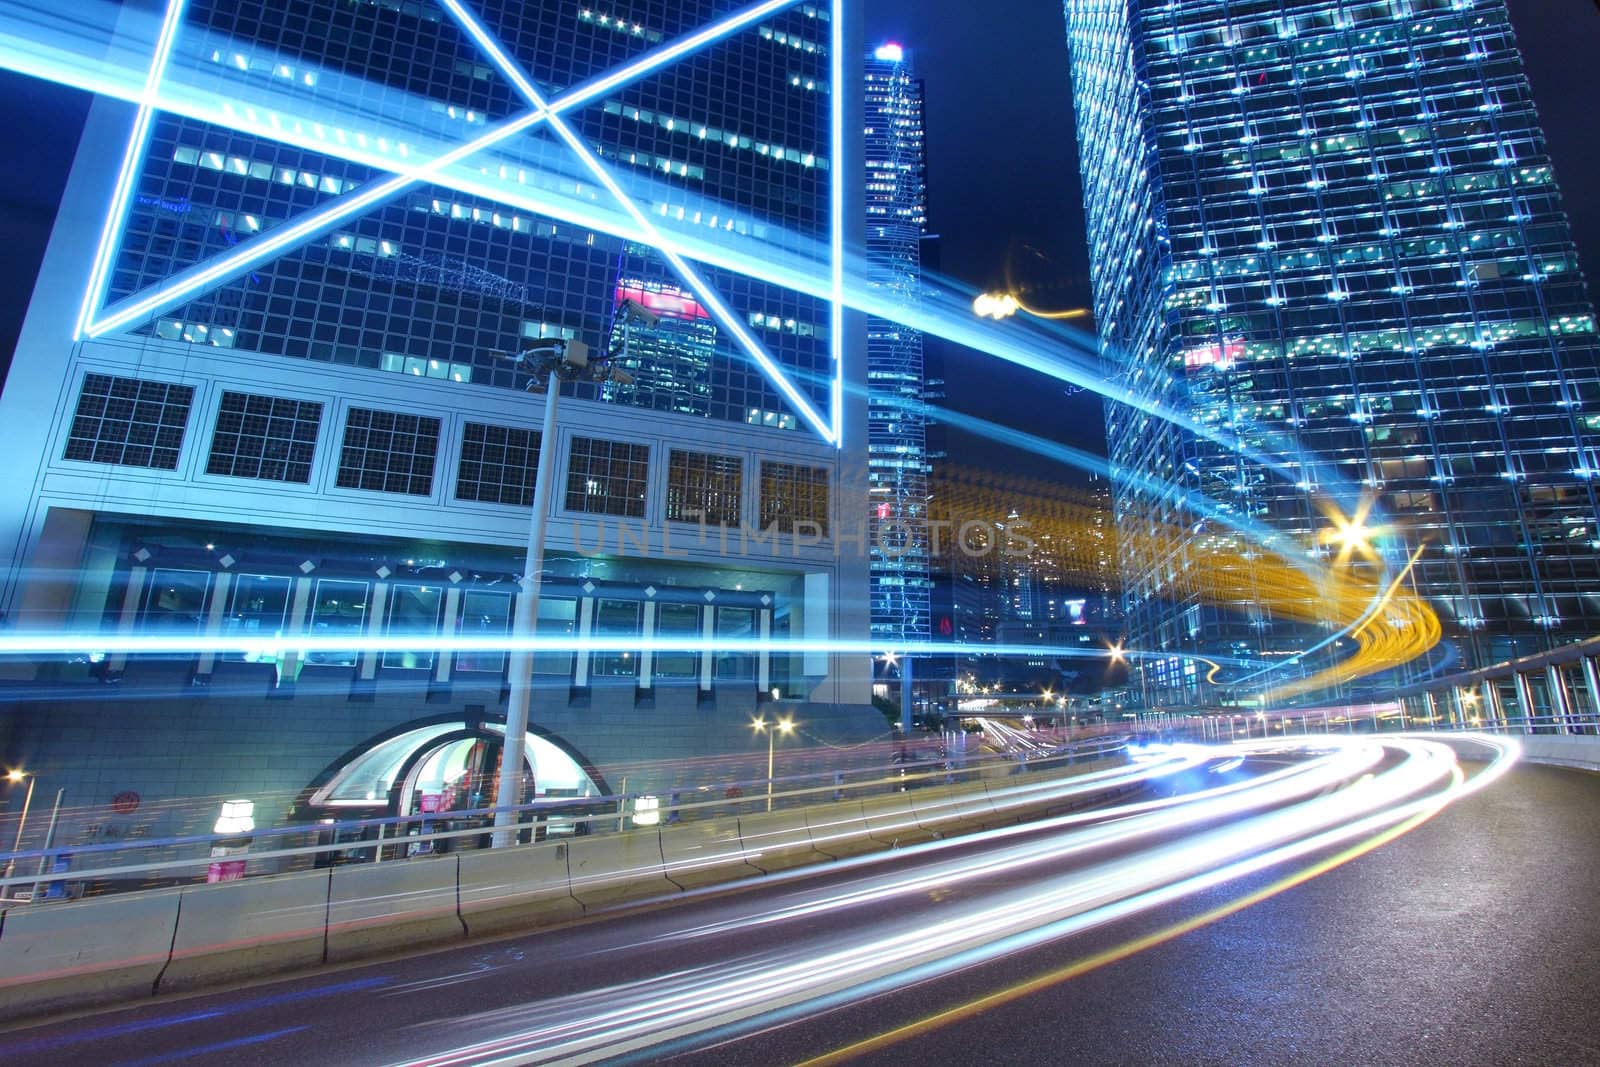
[[1376, 719], [74, 870]]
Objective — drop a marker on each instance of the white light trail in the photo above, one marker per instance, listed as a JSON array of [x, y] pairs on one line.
[[1285, 817]]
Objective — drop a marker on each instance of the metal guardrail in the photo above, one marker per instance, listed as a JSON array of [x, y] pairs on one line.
[[175, 860], [1223, 726]]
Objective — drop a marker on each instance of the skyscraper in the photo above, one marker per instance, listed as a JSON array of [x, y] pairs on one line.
[[289, 405], [1332, 231], [897, 463]]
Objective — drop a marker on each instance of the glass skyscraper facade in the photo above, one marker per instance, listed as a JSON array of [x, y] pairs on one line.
[[443, 284], [1330, 229], [897, 462]]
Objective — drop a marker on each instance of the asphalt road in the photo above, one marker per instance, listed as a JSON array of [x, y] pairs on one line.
[[1471, 939]]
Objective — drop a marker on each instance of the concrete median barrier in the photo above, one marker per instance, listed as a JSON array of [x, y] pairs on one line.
[[952, 810], [516, 888], [248, 927], [84, 953], [617, 868], [700, 854], [838, 829], [374, 907], [779, 840], [892, 820]]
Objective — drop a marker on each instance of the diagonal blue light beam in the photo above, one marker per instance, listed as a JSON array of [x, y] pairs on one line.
[[138, 141], [188, 283], [524, 85]]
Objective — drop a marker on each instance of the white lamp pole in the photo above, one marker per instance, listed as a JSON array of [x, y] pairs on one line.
[[761, 726], [524, 627], [14, 777]]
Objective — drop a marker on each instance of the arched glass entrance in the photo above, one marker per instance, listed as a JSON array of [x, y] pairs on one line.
[[442, 766]]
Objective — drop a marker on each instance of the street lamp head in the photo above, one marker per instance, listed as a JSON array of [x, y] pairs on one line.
[[995, 305], [786, 725], [759, 725], [16, 775]]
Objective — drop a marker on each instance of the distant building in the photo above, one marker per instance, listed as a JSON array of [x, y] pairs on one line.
[[1332, 229], [897, 461]]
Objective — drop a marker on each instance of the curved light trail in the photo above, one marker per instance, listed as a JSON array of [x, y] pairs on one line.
[[1345, 791]]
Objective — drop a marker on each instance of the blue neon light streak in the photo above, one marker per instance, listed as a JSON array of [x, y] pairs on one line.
[[836, 217], [690, 276], [56, 643], [187, 283], [138, 141]]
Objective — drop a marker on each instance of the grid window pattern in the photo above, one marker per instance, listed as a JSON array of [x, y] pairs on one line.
[[702, 487], [129, 422], [607, 477], [792, 494], [498, 464], [388, 452], [435, 282], [1333, 228], [268, 437]]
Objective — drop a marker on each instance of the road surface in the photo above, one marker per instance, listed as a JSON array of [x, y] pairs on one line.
[[1470, 938]]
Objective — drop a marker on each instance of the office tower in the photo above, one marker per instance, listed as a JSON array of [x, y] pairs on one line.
[[666, 342], [897, 461], [1331, 230], [336, 439]]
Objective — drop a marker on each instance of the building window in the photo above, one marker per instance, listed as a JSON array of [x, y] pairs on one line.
[[498, 464], [339, 609], [607, 477], [129, 422], [735, 626], [704, 488], [175, 601], [485, 616], [677, 622], [387, 452], [792, 494], [268, 437], [558, 621], [614, 619], [413, 613], [260, 604]]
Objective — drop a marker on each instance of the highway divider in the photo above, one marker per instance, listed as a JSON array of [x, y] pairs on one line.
[[135, 945]]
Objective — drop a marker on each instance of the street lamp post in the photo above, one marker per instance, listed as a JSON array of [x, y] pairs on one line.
[[15, 777], [784, 725], [555, 362]]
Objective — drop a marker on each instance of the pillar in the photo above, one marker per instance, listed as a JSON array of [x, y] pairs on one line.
[[1560, 705]]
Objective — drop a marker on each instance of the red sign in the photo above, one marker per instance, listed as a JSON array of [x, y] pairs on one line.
[[665, 300], [1222, 356], [429, 803], [125, 803], [226, 871]]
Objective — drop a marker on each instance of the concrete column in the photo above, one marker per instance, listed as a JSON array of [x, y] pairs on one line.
[[1494, 709], [289, 662], [377, 609], [216, 613], [707, 632], [128, 616], [1560, 703], [764, 657], [1591, 682], [647, 652], [1525, 698], [445, 663], [580, 674]]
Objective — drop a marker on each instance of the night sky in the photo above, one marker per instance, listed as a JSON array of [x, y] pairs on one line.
[[1003, 183]]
